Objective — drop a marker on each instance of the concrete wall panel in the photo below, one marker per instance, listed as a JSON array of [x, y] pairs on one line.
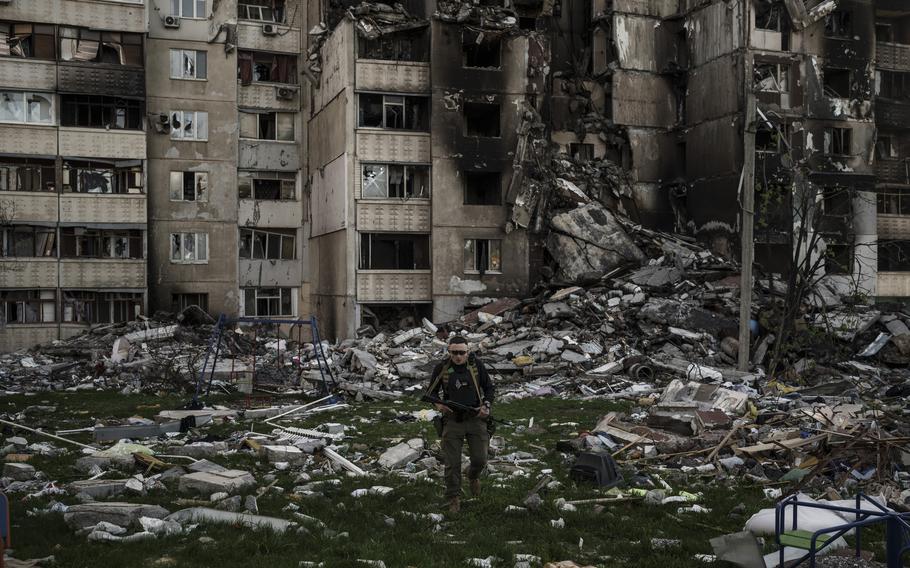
[[222, 190], [398, 77], [260, 273], [250, 36], [26, 206], [714, 31], [97, 79], [262, 96], [326, 136], [90, 208], [636, 40], [393, 215], [101, 143], [714, 90], [893, 285], [35, 140], [393, 286], [265, 155], [338, 57], [714, 148], [894, 227], [652, 155], [894, 56], [99, 15], [329, 197], [389, 146], [28, 273], [278, 214], [28, 74], [641, 99], [14, 337], [662, 8], [102, 273]]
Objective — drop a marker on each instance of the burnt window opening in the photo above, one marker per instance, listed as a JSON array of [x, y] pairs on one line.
[[27, 175], [892, 85], [389, 251], [393, 111], [112, 48], [884, 32], [839, 24], [180, 302], [266, 185], [278, 126], [482, 256], [30, 41], [837, 202], [258, 67], [770, 16], [527, 23], [120, 177], [837, 141], [581, 152], [83, 306], [395, 47], [482, 188], [98, 111], [839, 255], [481, 120], [837, 82], [28, 306], [262, 10], [272, 244], [28, 241], [886, 148], [189, 186], [771, 77], [398, 181], [894, 256], [479, 50], [83, 242], [893, 201], [771, 138]]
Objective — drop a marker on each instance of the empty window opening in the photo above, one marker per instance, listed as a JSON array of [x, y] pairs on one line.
[[837, 141], [27, 40], [389, 251], [180, 302], [769, 16], [113, 48], [27, 175], [393, 111], [273, 244], [28, 306], [266, 185], [886, 148], [892, 85], [262, 302], [482, 120], [119, 177], [98, 111], [894, 256], [893, 201], [839, 24], [482, 188], [189, 186], [481, 49], [394, 47], [28, 241], [277, 126], [836, 201], [771, 138], [81, 306], [482, 256], [189, 248], [254, 66], [262, 10], [838, 255], [399, 181], [771, 77], [83, 242], [581, 152], [837, 82], [884, 32]]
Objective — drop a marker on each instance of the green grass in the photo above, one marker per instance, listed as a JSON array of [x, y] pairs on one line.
[[618, 535]]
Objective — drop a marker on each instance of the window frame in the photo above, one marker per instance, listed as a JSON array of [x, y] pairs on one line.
[[41, 297], [409, 100], [8, 241], [182, 117], [196, 177], [282, 291], [407, 175], [178, 5], [471, 245], [10, 27], [284, 180], [464, 186], [182, 54], [267, 236], [365, 252], [81, 104], [24, 103], [120, 182], [835, 133], [12, 170], [196, 248]]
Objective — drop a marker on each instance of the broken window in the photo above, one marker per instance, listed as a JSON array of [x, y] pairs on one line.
[[98, 111], [265, 302], [886, 148], [27, 107], [837, 141], [33, 41], [394, 47], [180, 302], [189, 248], [482, 188], [481, 49], [188, 8], [102, 177], [892, 85], [189, 125], [393, 111], [893, 201], [84, 306], [189, 186], [837, 82], [254, 66], [267, 125], [839, 24], [395, 181], [482, 256], [581, 152], [838, 255], [769, 15], [114, 48], [894, 256], [28, 306], [85, 242], [481, 119], [771, 77], [188, 64], [28, 241], [389, 251], [262, 10], [266, 185], [273, 244], [27, 175], [771, 138]]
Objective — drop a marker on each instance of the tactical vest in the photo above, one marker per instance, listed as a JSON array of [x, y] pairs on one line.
[[447, 369]]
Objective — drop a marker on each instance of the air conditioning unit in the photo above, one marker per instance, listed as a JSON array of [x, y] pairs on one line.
[[171, 22], [285, 92], [269, 29]]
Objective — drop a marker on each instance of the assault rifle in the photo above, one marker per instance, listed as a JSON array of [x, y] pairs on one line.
[[463, 407]]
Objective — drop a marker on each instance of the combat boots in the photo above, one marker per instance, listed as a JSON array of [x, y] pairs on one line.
[[475, 487], [454, 505]]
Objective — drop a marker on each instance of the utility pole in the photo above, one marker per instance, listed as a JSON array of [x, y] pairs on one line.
[[747, 200]]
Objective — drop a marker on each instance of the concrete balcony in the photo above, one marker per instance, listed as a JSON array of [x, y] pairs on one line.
[[250, 36], [120, 15], [102, 143], [28, 139], [95, 208], [894, 56], [29, 74], [102, 273], [28, 272], [31, 206], [892, 171], [393, 215], [276, 214], [893, 226], [397, 76], [394, 286], [269, 155], [263, 95], [393, 146], [100, 79], [265, 273], [17, 336], [893, 285], [892, 113]]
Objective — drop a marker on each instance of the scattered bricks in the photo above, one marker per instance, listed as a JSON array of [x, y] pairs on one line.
[[401, 454], [206, 483], [98, 488], [290, 454]]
